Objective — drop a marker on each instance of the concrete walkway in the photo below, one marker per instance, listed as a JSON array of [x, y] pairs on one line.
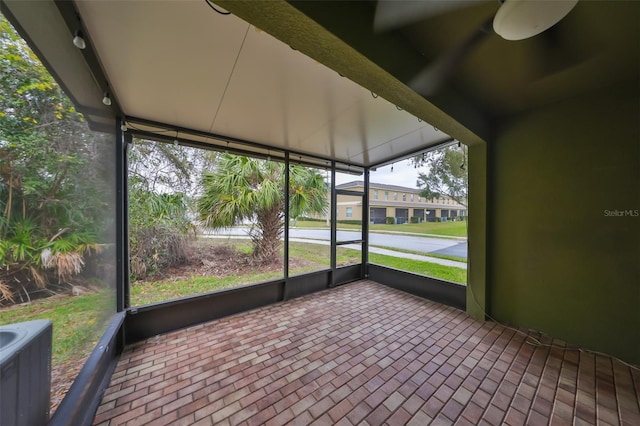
[[445, 262]]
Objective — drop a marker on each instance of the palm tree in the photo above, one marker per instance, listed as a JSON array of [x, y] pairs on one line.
[[243, 188]]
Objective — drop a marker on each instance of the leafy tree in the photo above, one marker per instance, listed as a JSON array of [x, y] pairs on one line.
[[164, 168], [445, 174], [247, 189], [162, 180], [54, 183]]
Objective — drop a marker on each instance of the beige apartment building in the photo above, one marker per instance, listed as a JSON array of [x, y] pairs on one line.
[[399, 202]]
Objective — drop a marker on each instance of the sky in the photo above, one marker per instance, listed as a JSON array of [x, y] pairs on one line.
[[403, 174]]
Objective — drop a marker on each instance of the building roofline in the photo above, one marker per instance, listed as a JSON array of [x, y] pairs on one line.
[[373, 185]]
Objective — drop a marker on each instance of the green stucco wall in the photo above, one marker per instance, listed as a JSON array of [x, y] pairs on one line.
[[557, 262]]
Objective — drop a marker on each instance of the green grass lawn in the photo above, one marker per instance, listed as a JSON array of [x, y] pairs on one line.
[[311, 256], [304, 258], [347, 256], [157, 291], [449, 229], [78, 322], [144, 293], [314, 256], [447, 273]]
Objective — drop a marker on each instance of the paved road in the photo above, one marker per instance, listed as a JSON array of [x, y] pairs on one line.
[[402, 241]]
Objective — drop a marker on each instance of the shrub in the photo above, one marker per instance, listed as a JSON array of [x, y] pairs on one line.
[[31, 261], [156, 248], [310, 219], [159, 231], [391, 220], [416, 219]]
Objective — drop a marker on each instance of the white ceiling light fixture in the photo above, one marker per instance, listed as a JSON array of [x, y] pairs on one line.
[[106, 99], [522, 19], [78, 40]]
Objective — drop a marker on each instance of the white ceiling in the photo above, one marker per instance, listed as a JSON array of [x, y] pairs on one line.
[[182, 64]]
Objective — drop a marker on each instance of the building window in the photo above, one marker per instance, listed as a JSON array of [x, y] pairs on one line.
[[395, 196], [375, 194], [404, 197], [419, 199], [412, 197], [386, 195], [349, 211]]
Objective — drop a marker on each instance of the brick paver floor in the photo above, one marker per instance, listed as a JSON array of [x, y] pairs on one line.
[[363, 354]]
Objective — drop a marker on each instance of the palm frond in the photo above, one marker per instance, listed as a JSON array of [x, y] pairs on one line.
[[241, 188], [6, 293]]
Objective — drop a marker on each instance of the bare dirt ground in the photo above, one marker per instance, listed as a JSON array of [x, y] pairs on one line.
[[62, 377], [218, 261]]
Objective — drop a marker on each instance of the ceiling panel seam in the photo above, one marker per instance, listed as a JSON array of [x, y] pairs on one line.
[[226, 87], [404, 135]]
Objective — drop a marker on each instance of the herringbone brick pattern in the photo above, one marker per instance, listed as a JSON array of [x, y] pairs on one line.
[[363, 354]]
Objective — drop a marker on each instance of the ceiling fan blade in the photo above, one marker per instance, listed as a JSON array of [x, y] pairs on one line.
[[518, 20], [435, 76], [392, 14]]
